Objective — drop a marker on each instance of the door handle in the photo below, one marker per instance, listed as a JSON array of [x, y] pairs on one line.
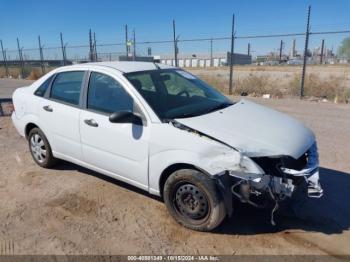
[[91, 122], [48, 108]]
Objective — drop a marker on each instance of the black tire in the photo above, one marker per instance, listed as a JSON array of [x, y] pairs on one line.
[[185, 192], [42, 144]]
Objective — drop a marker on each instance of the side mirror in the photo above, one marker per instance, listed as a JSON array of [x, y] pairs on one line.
[[125, 117]]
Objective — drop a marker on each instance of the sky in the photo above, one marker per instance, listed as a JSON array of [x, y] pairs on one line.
[[152, 20]]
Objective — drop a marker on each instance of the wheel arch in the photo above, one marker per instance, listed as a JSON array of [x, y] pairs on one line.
[[173, 168], [29, 126]]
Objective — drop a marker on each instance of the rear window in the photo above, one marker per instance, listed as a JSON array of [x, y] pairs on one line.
[[66, 87], [44, 86]]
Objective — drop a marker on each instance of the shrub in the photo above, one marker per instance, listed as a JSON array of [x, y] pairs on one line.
[[34, 74], [218, 81], [257, 85], [330, 88]]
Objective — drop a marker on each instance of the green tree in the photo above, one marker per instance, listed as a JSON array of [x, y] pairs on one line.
[[344, 49]]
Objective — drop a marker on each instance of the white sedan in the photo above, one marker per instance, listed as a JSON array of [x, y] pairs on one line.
[[164, 130]]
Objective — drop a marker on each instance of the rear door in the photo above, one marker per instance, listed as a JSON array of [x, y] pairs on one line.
[[119, 149], [59, 114]]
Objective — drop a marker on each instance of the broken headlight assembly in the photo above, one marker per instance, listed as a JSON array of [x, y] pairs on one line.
[[275, 178]]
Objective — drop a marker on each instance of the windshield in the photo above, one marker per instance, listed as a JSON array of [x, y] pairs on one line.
[[174, 93]]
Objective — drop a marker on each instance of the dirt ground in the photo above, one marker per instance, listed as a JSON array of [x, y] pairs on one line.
[[72, 210], [7, 86]]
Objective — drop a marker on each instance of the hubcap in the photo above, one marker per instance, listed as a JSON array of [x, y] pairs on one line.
[[38, 148], [191, 201]]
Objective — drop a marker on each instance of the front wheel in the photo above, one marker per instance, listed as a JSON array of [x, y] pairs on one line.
[[193, 200]]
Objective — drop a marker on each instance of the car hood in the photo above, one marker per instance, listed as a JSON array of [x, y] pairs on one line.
[[254, 130]]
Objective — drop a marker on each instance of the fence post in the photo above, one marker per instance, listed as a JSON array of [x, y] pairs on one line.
[[232, 54], [5, 60], [281, 48], [95, 48], [63, 50], [126, 42], [41, 56], [211, 53], [20, 58], [91, 52], [307, 33], [175, 44], [322, 50], [134, 46]]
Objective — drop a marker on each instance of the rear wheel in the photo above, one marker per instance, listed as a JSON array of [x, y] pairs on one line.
[[40, 148], [193, 200]]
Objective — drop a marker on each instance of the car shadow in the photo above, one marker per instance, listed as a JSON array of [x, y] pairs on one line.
[[64, 165], [329, 214]]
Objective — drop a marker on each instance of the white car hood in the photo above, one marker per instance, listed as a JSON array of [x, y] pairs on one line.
[[254, 130]]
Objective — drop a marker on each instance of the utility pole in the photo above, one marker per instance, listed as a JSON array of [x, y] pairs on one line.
[[20, 58], [63, 50], [232, 55], [248, 52], [5, 59], [307, 34], [134, 46], [281, 48], [41, 56], [322, 50], [126, 42], [175, 44], [211, 53]]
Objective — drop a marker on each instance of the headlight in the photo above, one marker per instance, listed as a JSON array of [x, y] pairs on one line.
[[250, 166]]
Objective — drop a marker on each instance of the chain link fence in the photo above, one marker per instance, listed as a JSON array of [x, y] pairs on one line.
[[191, 53]]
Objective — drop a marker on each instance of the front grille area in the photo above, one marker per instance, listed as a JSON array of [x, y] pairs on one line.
[[269, 165], [296, 164], [273, 165]]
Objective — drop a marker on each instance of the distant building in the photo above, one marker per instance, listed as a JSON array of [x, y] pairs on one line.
[[239, 59], [343, 61], [137, 58], [195, 60], [293, 52]]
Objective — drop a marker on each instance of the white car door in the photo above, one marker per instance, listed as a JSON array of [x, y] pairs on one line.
[[121, 149], [59, 114]]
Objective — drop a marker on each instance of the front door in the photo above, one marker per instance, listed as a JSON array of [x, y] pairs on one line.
[[119, 149]]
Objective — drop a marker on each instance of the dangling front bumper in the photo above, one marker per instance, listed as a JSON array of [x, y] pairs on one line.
[[310, 173]]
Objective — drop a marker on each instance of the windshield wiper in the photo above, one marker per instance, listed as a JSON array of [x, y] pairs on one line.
[[184, 115], [218, 107]]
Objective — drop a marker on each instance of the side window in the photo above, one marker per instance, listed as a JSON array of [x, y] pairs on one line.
[[106, 95], [66, 87], [44, 86]]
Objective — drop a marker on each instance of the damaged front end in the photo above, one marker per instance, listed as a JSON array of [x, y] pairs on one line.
[[277, 179], [258, 180]]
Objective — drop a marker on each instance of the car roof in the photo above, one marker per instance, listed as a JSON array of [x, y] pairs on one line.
[[128, 66]]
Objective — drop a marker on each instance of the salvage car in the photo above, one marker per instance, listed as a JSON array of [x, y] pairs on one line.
[[164, 130]]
